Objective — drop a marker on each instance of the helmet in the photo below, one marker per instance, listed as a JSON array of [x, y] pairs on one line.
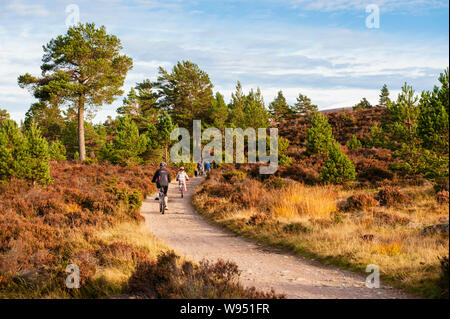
[[162, 164], [182, 168]]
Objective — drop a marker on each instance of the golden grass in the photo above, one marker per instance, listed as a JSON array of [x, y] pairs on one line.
[[135, 234], [407, 257], [300, 200]]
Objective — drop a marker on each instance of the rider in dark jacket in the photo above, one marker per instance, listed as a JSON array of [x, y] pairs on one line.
[[162, 180]]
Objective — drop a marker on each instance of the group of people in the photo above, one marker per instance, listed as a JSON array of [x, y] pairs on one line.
[[162, 179], [203, 167]]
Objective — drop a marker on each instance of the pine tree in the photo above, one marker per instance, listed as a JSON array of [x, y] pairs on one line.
[[404, 114], [38, 167], [83, 67], [279, 108], [384, 96], [304, 107], [186, 93], [49, 119], [4, 115], [130, 105], [13, 151], [219, 112], [165, 126], [57, 151], [320, 136], [127, 145], [354, 143], [338, 167], [255, 112], [236, 107], [433, 122], [362, 105]]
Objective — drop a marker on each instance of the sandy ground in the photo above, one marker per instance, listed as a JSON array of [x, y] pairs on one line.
[[190, 235]]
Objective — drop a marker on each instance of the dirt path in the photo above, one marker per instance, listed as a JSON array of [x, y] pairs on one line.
[[189, 234]]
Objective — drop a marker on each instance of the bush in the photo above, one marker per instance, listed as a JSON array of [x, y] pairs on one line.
[[354, 143], [23, 156], [57, 151], [391, 196], [360, 202], [127, 145], [285, 160], [442, 197], [168, 278], [338, 167], [444, 277], [235, 175], [320, 136]]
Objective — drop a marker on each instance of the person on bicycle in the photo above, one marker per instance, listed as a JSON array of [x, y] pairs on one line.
[[200, 168], [162, 180], [207, 167], [182, 177]]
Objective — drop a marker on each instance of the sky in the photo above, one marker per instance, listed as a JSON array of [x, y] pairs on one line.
[[321, 48]]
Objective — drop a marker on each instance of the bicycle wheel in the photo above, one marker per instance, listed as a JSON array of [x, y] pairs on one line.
[[162, 207]]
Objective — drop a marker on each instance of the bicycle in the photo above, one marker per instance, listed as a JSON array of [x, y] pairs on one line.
[[162, 204], [182, 189]]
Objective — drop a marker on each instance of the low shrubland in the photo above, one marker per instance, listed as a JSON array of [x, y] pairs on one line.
[[89, 216], [399, 228]]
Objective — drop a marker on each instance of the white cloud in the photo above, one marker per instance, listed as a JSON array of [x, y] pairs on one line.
[[385, 5], [21, 8]]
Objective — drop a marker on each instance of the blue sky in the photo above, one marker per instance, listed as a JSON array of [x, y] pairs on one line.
[[320, 48]]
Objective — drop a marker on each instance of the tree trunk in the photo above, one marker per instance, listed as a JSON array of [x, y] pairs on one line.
[[166, 147], [81, 142]]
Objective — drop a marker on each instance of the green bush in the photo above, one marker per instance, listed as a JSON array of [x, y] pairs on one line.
[[57, 151], [320, 136], [239, 175], [338, 167], [377, 137], [127, 145], [24, 156], [354, 143], [285, 160]]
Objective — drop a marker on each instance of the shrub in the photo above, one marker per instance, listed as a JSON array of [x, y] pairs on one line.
[[127, 145], [57, 151], [391, 196], [377, 137], [442, 197], [235, 175], [444, 277], [320, 136], [354, 143], [23, 157], [13, 151], [360, 202], [285, 160], [338, 167], [168, 278], [295, 228]]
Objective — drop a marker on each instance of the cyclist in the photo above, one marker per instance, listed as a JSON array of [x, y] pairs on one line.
[[200, 168], [207, 167], [162, 180], [182, 177]]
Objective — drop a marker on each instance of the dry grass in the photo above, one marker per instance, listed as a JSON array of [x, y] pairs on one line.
[[309, 220], [300, 200]]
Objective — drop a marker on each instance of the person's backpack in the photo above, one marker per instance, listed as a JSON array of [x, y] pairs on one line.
[[163, 177]]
